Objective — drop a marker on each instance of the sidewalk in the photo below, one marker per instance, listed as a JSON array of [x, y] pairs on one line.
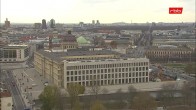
[[30, 84]]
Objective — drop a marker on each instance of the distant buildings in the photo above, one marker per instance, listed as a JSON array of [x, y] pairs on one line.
[[84, 65], [167, 53], [52, 23], [93, 22], [44, 24], [37, 25], [7, 24]]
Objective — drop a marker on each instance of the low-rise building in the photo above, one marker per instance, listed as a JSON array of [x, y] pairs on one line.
[[6, 101], [168, 53]]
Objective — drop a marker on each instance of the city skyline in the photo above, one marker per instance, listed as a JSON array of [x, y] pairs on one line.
[[106, 11]]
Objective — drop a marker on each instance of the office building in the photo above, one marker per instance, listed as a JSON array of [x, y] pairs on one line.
[[14, 53], [51, 66], [44, 24], [52, 23], [106, 72]]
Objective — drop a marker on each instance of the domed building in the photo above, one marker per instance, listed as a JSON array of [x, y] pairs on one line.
[[69, 41], [82, 41]]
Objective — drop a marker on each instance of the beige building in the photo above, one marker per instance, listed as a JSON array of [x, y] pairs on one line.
[[106, 72], [6, 101], [50, 64]]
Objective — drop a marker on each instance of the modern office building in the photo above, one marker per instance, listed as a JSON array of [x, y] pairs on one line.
[[14, 53], [52, 23], [51, 66], [44, 24], [106, 72], [93, 22]]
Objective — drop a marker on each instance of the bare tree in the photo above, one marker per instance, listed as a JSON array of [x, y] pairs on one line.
[[97, 105], [131, 92], [74, 90], [188, 92], [167, 94], [95, 88]]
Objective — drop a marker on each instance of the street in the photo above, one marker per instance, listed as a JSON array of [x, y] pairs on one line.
[[11, 83]]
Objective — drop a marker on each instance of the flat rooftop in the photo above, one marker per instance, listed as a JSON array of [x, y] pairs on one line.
[[108, 60], [58, 56]]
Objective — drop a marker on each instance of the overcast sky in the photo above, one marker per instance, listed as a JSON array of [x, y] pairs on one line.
[[106, 11]]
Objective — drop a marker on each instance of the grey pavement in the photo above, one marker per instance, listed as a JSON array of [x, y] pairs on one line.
[[31, 84]]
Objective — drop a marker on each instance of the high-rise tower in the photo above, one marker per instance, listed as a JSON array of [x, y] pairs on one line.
[[44, 24], [7, 24], [52, 23]]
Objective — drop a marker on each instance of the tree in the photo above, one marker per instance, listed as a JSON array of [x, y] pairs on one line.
[[97, 105], [95, 88], [190, 68], [77, 105], [49, 98], [74, 90], [143, 101], [166, 95], [188, 92], [132, 92]]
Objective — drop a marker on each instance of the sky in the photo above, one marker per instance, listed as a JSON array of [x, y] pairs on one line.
[[106, 11]]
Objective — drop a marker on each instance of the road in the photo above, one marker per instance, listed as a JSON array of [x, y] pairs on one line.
[[11, 83]]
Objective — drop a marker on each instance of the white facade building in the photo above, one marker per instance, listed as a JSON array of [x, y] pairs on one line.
[[106, 72], [14, 53]]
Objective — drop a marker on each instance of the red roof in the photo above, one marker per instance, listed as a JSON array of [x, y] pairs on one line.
[[5, 94]]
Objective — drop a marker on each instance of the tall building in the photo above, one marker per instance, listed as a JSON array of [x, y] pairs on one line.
[[7, 24], [93, 22], [44, 24], [52, 23], [97, 23]]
